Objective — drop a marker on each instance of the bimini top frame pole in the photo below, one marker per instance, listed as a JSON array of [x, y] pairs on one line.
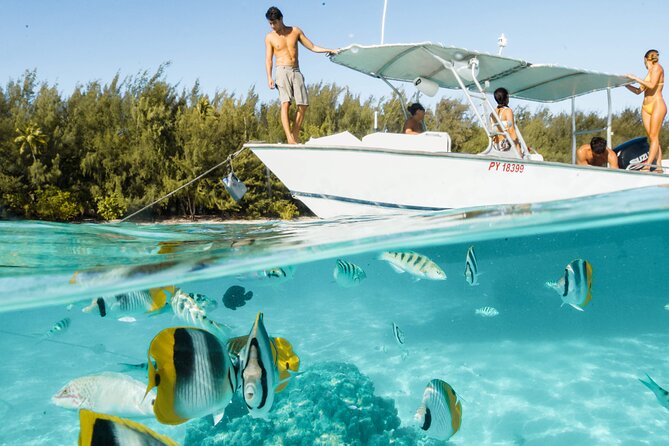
[[607, 129], [473, 65]]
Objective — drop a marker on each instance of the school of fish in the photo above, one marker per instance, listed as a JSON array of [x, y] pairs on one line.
[[196, 370]]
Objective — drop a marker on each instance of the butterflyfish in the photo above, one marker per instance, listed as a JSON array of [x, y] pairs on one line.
[[287, 362], [186, 308], [97, 429], [440, 413], [471, 268], [486, 312], [133, 302], [661, 394], [259, 370], [109, 392], [418, 265], [279, 274], [348, 274], [193, 375], [575, 286]]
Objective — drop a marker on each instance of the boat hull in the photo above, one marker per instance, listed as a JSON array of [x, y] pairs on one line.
[[341, 181]]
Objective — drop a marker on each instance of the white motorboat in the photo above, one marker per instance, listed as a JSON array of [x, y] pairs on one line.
[[342, 175]]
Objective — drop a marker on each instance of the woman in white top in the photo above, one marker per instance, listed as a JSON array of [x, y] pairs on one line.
[[506, 116]]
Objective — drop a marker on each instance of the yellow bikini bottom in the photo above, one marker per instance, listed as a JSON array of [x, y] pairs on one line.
[[648, 108]]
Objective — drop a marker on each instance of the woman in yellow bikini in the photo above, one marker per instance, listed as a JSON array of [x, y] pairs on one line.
[[654, 108]]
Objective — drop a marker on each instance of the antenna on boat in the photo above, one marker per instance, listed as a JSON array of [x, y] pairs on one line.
[[502, 41], [383, 20]]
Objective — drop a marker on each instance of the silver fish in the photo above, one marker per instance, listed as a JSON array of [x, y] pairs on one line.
[[471, 268], [413, 263], [348, 274], [108, 392]]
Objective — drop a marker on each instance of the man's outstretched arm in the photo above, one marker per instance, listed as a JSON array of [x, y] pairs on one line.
[[308, 44]]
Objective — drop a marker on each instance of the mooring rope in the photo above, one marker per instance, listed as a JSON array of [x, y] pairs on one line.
[[227, 160]]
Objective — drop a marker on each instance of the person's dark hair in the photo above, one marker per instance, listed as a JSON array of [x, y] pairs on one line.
[[273, 13], [502, 96], [598, 145], [413, 108], [652, 55]]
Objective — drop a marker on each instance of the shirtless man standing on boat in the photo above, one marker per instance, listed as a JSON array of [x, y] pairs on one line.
[[596, 154], [281, 43]]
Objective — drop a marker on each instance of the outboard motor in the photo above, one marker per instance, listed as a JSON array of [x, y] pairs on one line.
[[633, 152]]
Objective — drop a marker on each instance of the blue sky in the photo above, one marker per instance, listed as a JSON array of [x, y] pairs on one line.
[[221, 42]]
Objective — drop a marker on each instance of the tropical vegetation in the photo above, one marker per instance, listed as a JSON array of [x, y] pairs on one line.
[[107, 150]]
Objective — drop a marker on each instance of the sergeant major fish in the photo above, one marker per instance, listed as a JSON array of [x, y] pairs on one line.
[[348, 274], [59, 328], [575, 286], [97, 429], [486, 312], [440, 413], [418, 265], [193, 375]]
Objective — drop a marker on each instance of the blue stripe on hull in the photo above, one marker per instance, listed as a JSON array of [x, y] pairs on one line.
[[365, 202]]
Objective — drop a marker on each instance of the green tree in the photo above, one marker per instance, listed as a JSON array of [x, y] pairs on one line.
[[31, 138]]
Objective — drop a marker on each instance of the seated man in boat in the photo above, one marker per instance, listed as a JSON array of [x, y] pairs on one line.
[[414, 125], [508, 124], [596, 154]]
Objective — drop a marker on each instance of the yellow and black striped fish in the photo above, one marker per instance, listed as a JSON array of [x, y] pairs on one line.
[[282, 351], [348, 274], [193, 374], [258, 370], [98, 429], [575, 285], [133, 302], [440, 413]]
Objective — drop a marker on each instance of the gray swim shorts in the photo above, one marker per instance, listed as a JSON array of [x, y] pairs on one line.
[[290, 83]]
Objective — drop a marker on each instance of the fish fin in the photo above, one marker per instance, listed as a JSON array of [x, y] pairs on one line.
[[577, 307], [287, 359], [218, 417], [163, 376], [415, 279], [552, 285], [651, 384], [88, 421], [396, 268]]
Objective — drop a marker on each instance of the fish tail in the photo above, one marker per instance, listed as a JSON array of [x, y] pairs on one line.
[[652, 385]]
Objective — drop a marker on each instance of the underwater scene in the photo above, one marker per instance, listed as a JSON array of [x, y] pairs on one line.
[[542, 324]]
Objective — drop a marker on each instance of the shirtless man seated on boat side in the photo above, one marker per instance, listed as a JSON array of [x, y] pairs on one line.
[[281, 43], [414, 125], [596, 154]]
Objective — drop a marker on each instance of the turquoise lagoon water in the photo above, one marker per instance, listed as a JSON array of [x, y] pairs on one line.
[[538, 373]]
